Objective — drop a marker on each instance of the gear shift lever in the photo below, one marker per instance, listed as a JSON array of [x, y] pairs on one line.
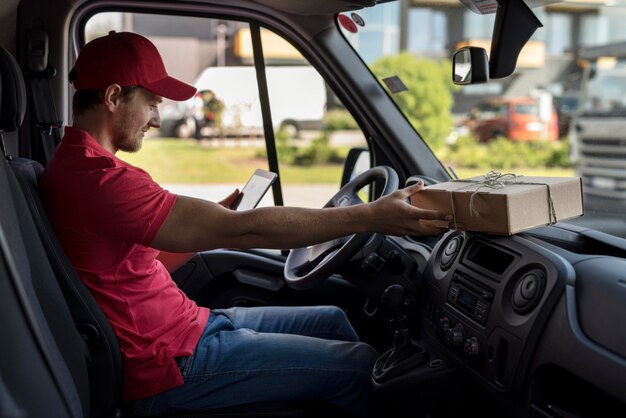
[[397, 304]]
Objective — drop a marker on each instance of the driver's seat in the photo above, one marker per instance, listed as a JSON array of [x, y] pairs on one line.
[[88, 348]]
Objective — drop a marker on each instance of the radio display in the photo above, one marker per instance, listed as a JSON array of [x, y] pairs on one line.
[[489, 257], [466, 299], [469, 298]]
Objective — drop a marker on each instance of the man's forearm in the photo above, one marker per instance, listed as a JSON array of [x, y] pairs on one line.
[[197, 225], [289, 227]]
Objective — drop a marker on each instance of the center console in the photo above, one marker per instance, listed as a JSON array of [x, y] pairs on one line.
[[486, 302]]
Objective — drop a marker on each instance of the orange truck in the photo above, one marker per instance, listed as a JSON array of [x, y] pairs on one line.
[[516, 118]]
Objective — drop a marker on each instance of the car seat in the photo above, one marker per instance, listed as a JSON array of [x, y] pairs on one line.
[[87, 353]]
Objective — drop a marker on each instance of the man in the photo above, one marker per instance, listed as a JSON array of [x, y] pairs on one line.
[[116, 224]]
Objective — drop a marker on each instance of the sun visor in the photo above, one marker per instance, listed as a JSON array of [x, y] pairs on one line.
[[318, 7], [484, 7]]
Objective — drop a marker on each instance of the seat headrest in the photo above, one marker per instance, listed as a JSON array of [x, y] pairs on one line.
[[12, 93]]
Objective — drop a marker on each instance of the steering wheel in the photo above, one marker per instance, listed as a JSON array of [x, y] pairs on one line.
[[307, 267]]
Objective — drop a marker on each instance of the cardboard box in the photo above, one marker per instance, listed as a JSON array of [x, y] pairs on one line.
[[506, 204]]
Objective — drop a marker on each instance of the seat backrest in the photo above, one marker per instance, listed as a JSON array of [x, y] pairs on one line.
[[41, 355], [91, 352], [104, 356]]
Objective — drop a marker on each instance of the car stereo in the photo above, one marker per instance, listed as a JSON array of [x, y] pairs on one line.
[[467, 297]]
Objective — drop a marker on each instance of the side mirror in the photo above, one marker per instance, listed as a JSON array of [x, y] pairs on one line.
[[357, 162], [470, 66]]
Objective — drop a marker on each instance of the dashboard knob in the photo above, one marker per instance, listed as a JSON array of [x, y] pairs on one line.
[[472, 348], [455, 336]]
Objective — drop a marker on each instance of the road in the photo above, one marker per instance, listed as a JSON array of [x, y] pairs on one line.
[[306, 195]]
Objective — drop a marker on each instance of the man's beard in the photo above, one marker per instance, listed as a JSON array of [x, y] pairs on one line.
[[129, 145]]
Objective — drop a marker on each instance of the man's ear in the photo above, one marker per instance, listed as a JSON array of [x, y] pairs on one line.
[[112, 96]]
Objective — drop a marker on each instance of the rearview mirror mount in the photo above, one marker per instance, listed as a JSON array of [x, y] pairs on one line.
[[514, 25]]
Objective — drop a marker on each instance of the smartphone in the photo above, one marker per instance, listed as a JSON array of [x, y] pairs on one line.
[[254, 190]]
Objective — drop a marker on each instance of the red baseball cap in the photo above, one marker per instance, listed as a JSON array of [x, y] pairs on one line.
[[127, 59]]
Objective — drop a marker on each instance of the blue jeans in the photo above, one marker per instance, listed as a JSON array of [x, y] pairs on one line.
[[272, 354]]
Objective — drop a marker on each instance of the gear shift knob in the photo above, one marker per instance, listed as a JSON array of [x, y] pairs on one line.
[[397, 303]]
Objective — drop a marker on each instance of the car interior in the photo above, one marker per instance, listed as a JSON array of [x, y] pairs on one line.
[[467, 324]]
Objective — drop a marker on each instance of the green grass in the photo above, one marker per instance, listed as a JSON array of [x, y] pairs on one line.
[[170, 160]]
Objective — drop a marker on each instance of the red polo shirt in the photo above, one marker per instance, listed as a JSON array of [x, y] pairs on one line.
[[105, 213]]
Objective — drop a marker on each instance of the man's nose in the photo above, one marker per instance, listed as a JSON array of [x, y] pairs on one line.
[[155, 120]]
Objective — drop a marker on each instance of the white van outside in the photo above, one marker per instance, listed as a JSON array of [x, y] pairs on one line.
[[297, 97]]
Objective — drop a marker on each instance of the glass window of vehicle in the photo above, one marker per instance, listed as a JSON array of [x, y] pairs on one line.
[[526, 109], [551, 91], [607, 87]]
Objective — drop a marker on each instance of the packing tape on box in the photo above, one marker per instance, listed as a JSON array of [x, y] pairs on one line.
[[496, 180]]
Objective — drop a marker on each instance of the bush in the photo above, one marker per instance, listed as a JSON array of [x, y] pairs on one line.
[[503, 154], [284, 148], [318, 151], [465, 152], [428, 101], [338, 119]]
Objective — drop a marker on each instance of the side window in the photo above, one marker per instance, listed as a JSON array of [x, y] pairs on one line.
[[313, 130], [209, 145]]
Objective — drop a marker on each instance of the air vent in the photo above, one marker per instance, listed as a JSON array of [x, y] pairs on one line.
[[450, 251], [528, 291]]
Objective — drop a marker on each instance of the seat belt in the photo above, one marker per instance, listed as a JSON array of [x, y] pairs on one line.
[[264, 98], [45, 123]]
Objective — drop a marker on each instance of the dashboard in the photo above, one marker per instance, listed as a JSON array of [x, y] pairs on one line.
[[530, 321]]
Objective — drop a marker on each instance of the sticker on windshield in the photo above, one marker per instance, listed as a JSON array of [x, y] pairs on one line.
[[394, 84], [358, 19], [347, 23]]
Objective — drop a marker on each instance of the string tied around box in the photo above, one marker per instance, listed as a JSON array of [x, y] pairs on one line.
[[495, 180]]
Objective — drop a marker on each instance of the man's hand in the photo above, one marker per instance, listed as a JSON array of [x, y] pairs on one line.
[[394, 215], [228, 201]]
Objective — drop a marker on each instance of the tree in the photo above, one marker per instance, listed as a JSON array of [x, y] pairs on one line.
[[428, 101]]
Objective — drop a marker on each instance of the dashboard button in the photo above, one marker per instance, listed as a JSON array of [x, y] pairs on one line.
[[472, 349], [455, 336]]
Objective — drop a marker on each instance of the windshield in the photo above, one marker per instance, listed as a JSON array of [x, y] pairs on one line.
[[468, 128], [607, 89], [527, 109]]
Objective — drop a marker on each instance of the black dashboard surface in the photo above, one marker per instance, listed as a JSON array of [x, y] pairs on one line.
[[533, 322]]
